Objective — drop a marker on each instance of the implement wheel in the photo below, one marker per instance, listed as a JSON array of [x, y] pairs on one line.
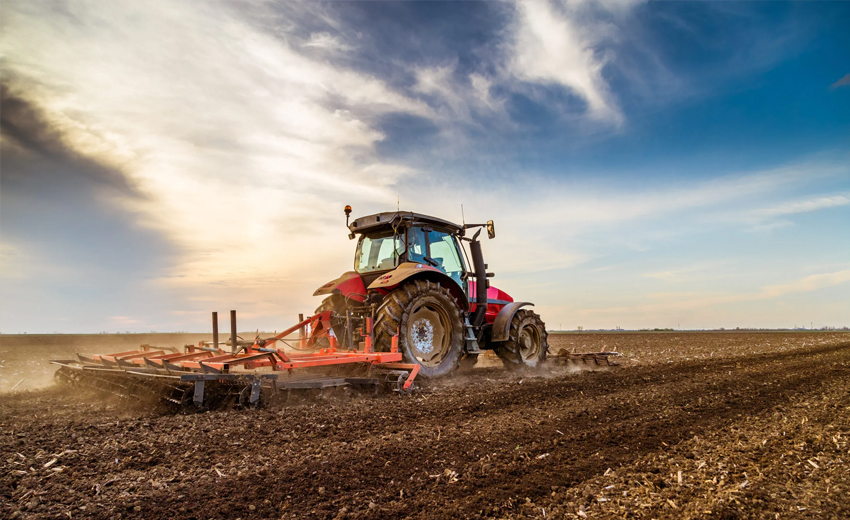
[[527, 345], [429, 325]]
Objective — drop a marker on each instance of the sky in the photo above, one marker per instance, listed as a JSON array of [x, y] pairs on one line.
[[647, 164]]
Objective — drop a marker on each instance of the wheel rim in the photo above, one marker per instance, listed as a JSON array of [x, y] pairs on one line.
[[429, 333], [529, 343]]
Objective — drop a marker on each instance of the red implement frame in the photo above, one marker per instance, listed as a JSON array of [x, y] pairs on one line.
[[261, 355]]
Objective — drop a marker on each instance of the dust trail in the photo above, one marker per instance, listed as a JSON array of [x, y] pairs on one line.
[[25, 358]]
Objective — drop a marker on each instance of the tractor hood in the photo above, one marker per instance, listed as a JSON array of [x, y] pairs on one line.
[[349, 285]]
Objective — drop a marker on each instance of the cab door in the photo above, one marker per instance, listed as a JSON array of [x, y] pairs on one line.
[[439, 249]]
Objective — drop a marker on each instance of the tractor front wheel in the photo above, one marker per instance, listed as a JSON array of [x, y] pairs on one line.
[[429, 324], [527, 344]]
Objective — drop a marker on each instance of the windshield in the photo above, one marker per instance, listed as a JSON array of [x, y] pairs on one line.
[[378, 251]]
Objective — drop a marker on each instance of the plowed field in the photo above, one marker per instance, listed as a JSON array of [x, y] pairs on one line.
[[693, 425]]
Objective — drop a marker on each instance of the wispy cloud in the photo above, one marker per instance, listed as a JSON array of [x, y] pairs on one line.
[[665, 303], [551, 46], [843, 82], [324, 40], [807, 284], [802, 206], [572, 203], [125, 321], [548, 44], [690, 273]]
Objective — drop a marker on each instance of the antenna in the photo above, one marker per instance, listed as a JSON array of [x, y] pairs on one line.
[[463, 218], [398, 203]]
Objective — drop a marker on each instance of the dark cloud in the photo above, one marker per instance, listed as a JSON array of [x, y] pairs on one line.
[[843, 82], [28, 137]]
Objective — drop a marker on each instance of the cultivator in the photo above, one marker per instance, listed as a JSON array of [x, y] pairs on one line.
[[205, 376]]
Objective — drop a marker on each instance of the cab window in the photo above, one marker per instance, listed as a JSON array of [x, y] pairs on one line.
[[417, 247], [378, 252], [443, 249]]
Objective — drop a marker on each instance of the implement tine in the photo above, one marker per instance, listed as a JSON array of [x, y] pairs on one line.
[[87, 360], [125, 364], [170, 367], [208, 370]]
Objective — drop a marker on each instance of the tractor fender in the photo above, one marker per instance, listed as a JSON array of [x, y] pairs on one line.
[[502, 324], [349, 285], [414, 271]]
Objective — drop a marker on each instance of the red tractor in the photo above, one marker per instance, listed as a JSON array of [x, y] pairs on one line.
[[414, 278]]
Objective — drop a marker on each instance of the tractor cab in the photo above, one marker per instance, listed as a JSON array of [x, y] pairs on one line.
[[417, 242], [388, 240]]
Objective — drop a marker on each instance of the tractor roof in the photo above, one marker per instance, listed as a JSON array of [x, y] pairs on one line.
[[391, 218]]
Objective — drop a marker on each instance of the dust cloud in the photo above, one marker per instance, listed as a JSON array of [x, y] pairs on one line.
[[25, 358]]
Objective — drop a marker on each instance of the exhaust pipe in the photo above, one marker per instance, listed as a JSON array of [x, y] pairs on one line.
[[480, 281]]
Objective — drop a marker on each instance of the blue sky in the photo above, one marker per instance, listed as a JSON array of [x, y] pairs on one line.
[[648, 164]]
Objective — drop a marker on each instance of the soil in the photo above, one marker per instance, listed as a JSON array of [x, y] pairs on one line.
[[692, 425]]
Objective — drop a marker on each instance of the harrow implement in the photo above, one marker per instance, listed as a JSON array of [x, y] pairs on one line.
[[598, 359], [205, 376]]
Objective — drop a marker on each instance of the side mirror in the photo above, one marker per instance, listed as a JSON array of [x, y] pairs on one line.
[[491, 230]]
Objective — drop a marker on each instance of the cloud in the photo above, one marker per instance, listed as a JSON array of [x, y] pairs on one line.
[[547, 48], [236, 137], [553, 44], [242, 146], [324, 40], [802, 206], [807, 284], [770, 217], [568, 203], [678, 302], [843, 82], [691, 273], [124, 320], [460, 102]]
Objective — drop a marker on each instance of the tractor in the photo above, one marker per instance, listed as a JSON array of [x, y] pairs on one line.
[[424, 280]]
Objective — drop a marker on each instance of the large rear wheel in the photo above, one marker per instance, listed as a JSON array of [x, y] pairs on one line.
[[429, 325], [527, 344]]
